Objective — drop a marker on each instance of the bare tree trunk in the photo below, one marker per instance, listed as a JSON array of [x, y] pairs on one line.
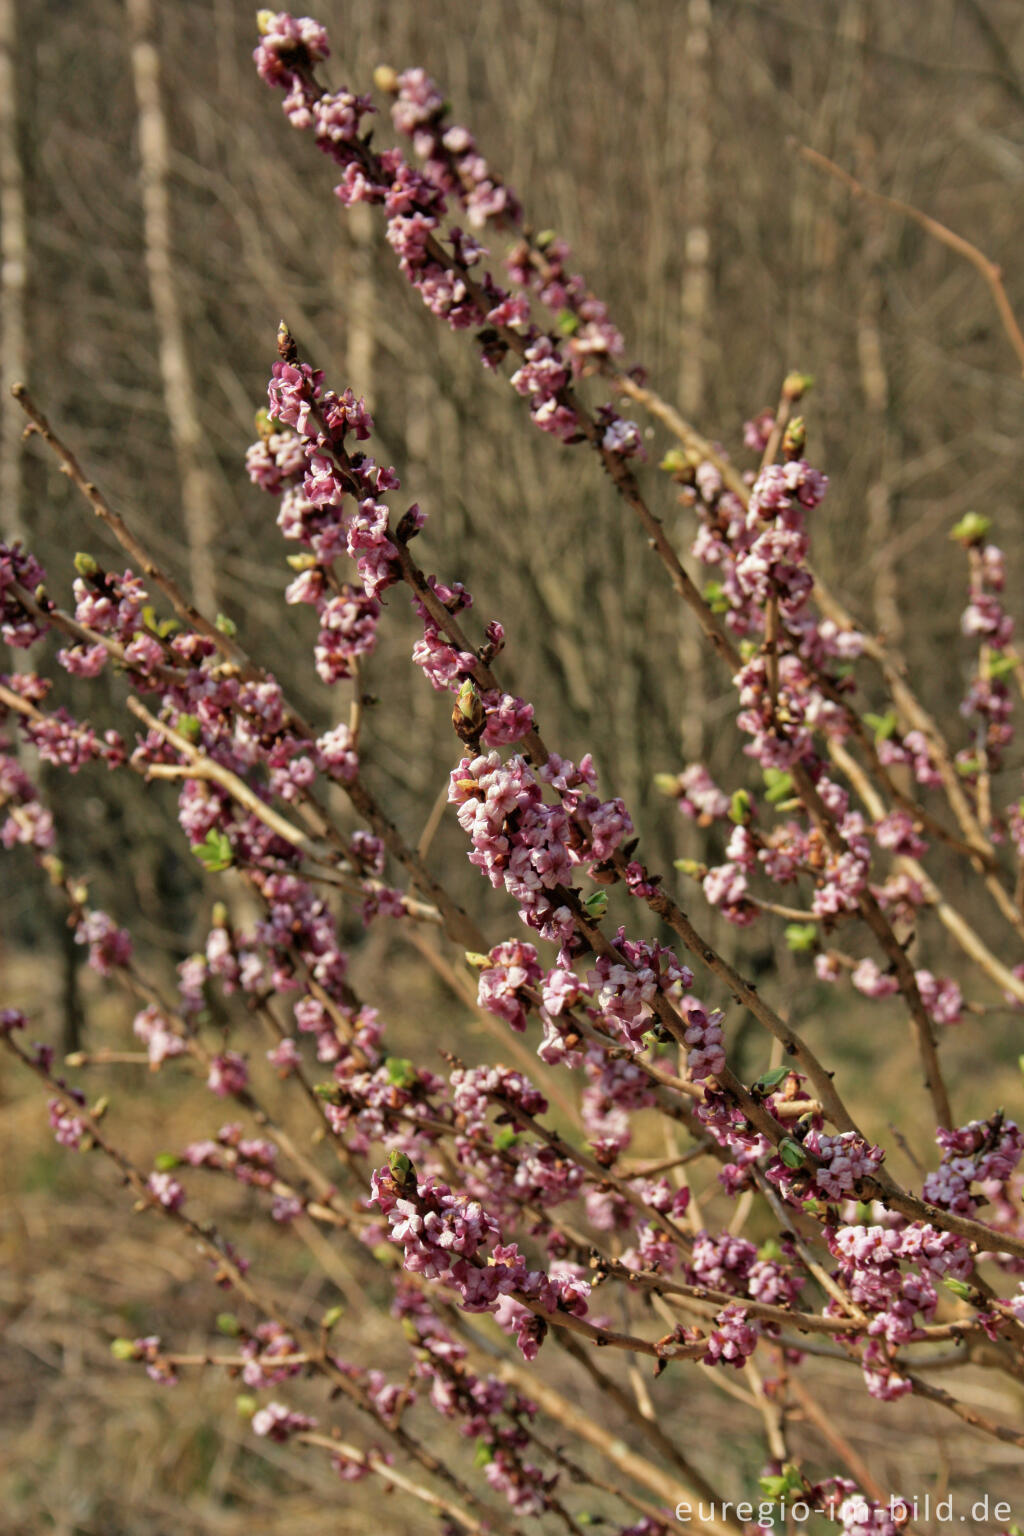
[[13, 281], [696, 289], [198, 505], [358, 302], [694, 122], [874, 380]]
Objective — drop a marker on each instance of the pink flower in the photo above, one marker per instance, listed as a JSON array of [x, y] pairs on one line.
[[228, 1075]]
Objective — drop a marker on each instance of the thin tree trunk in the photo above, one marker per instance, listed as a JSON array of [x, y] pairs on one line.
[[358, 302], [693, 120], [198, 504], [13, 282], [874, 378]]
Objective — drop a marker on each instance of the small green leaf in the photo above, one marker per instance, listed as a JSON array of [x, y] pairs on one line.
[[792, 1153], [567, 323], [156, 626], [214, 852], [482, 1454], [739, 807], [400, 1071], [882, 725], [245, 1405], [780, 1484], [595, 905], [85, 565], [164, 1162], [331, 1317], [780, 785], [225, 625], [228, 1324], [1000, 665], [769, 1080], [506, 1138], [190, 727], [122, 1349], [971, 528], [801, 937], [958, 1287], [692, 867], [667, 784]]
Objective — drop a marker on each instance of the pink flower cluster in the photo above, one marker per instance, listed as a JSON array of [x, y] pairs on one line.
[[449, 1237], [416, 201], [871, 1269], [978, 1169]]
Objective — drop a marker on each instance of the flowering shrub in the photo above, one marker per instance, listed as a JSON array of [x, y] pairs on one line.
[[507, 1230]]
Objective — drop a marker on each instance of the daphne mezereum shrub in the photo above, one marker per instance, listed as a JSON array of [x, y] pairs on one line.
[[522, 1246]]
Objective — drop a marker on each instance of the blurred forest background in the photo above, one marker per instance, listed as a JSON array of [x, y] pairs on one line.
[[655, 135]]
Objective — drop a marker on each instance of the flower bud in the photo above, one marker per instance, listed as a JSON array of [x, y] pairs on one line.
[[971, 528], [469, 702], [386, 79], [796, 385], [794, 439], [469, 715]]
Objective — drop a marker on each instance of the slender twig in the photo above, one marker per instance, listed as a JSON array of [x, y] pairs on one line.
[[989, 270]]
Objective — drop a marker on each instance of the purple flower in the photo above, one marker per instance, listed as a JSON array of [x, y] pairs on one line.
[[276, 1422], [166, 1190], [228, 1075]]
